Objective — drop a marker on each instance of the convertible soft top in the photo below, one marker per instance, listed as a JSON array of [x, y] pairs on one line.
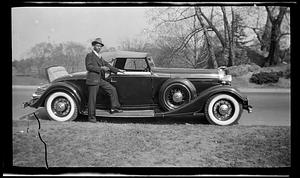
[[123, 54]]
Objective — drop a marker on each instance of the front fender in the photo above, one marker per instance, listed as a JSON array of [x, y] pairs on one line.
[[184, 81], [59, 86], [227, 89], [197, 105]]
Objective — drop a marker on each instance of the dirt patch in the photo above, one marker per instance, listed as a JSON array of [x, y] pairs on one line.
[[107, 144]]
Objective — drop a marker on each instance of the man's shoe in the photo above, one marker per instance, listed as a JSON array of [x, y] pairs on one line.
[[93, 120], [115, 111]]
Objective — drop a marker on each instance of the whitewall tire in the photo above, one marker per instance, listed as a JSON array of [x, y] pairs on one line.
[[223, 109], [60, 106]]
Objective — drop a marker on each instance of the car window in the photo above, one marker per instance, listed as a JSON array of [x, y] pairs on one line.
[[135, 64]]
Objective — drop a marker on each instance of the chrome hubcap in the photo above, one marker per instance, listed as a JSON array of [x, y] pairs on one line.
[[223, 110], [177, 97], [61, 107]]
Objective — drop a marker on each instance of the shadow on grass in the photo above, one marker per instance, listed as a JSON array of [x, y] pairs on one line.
[[143, 120], [42, 114]]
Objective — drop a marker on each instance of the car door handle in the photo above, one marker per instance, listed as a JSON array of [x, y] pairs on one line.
[[112, 80]]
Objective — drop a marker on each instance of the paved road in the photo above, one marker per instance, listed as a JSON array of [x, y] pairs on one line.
[[270, 107]]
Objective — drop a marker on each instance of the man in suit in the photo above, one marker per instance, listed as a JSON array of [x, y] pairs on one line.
[[96, 67]]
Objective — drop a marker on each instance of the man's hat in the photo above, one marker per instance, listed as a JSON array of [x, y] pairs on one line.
[[97, 40]]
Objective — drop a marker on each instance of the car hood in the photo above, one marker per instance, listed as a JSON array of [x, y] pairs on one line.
[[186, 72], [160, 72]]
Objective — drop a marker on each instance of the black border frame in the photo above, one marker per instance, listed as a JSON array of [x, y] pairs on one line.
[[143, 171]]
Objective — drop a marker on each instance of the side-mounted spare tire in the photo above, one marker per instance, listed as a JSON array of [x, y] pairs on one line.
[[223, 109], [175, 93], [61, 106]]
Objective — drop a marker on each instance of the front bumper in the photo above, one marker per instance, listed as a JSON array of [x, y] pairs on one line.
[[31, 103], [246, 105], [35, 101], [249, 108]]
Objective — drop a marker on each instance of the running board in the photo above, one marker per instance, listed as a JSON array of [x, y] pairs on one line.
[[126, 113]]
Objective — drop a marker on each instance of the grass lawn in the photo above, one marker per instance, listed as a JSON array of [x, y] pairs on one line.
[[155, 144]]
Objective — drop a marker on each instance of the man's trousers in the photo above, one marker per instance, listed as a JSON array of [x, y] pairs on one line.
[[93, 91]]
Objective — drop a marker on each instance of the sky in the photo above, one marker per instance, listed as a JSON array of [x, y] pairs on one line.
[[32, 25]]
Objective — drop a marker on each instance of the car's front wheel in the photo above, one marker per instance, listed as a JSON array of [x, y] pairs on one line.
[[223, 109], [61, 106]]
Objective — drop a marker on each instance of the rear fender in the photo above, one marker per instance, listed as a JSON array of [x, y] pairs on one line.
[[54, 72], [197, 105], [60, 86]]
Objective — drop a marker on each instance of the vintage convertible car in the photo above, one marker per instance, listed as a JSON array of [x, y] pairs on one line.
[[144, 91]]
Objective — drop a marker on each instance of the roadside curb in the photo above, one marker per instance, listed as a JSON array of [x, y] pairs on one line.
[[25, 86], [265, 90]]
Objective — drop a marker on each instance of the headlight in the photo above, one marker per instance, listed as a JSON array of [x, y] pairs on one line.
[[221, 73], [225, 79]]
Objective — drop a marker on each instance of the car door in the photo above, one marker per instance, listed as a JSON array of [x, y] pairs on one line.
[[135, 85]]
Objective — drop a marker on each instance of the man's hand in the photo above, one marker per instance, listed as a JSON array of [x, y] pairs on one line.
[[105, 68]]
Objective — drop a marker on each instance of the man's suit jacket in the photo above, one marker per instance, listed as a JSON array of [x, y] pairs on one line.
[[93, 66]]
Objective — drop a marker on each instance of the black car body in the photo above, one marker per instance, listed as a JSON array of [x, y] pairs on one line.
[[145, 91]]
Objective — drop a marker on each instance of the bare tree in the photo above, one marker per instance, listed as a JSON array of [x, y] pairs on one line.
[[226, 40], [190, 35], [263, 29], [40, 53], [211, 55], [273, 56], [227, 24], [75, 54], [229, 35], [69, 54], [135, 44]]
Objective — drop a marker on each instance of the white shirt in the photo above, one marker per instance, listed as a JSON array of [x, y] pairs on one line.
[[98, 54]]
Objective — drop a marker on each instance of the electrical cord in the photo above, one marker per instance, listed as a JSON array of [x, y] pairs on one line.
[[42, 140]]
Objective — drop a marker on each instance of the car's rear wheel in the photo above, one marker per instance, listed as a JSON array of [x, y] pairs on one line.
[[61, 106], [174, 96], [223, 109]]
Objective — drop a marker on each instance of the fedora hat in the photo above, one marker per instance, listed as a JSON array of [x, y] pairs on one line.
[[97, 40]]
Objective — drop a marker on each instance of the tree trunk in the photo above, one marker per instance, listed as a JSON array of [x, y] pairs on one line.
[[195, 50], [199, 12], [229, 48], [226, 49], [212, 63], [265, 39], [233, 40], [273, 56]]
